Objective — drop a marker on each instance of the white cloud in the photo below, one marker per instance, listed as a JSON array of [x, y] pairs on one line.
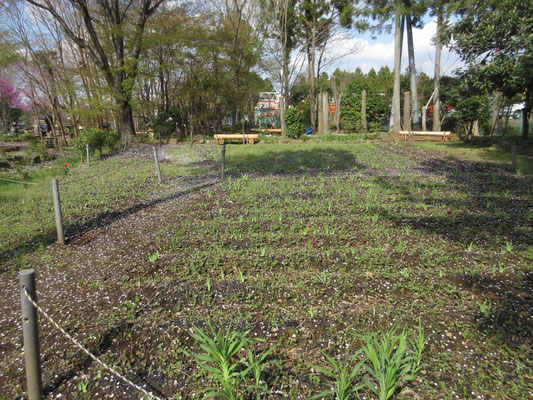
[[377, 53]]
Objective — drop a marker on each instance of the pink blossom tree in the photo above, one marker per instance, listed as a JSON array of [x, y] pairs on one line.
[[11, 104]]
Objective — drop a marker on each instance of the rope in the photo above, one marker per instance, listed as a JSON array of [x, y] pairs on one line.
[[103, 364], [99, 175], [23, 182]]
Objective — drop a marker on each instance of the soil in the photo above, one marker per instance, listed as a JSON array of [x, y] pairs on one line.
[[90, 287]]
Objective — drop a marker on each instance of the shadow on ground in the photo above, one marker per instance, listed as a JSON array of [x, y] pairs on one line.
[[100, 220], [293, 162], [487, 204]]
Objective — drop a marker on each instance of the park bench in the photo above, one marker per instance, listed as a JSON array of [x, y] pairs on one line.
[[249, 137], [444, 134]]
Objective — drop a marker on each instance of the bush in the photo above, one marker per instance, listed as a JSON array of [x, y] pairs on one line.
[[471, 109], [166, 122], [377, 108], [294, 118], [96, 139], [36, 152], [27, 137]]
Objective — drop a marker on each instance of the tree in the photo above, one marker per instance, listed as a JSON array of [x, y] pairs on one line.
[[494, 38], [318, 18], [377, 107], [11, 104], [241, 51], [113, 38], [281, 30]]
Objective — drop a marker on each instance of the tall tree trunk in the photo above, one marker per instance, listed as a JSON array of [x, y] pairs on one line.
[[325, 112], [125, 122], [436, 77], [338, 112], [364, 125], [525, 120], [311, 60], [284, 100], [396, 101], [282, 116], [406, 112], [415, 112], [495, 113], [320, 106], [312, 95]]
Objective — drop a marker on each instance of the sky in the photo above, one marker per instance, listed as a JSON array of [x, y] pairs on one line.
[[375, 53]]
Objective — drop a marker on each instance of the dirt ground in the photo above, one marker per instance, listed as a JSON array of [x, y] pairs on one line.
[[104, 288]]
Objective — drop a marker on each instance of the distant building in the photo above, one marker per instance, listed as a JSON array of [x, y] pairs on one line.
[[266, 111]]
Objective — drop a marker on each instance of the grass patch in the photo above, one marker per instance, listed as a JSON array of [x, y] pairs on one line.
[[313, 250]]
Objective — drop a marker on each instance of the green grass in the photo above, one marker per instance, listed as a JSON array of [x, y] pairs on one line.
[[487, 153], [315, 247], [108, 186]]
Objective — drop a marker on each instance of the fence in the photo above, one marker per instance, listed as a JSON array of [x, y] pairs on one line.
[[28, 294], [29, 306]]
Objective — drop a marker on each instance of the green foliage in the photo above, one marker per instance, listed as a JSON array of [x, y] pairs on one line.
[[344, 388], [377, 108], [495, 39], [96, 139], [165, 122], [27, 137], [219, 361], [471, 109], [294, 118], [228, 372], [390, 363], [36, 151], [256, 363]]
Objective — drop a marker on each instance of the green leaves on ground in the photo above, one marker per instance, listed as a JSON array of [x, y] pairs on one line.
[[229, 372]]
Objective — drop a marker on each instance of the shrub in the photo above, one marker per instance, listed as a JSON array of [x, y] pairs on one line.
[[377, 108], [36, 152], [165, 123], [471, 109], [96, 139], [27, 137], [294, 118]]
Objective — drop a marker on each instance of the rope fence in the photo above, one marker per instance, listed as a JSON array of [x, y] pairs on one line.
[[155, 160], [26, 296], [30, 308], [22, 182], [86, 178], [55, 186]]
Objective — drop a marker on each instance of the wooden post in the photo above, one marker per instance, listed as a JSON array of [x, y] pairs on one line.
[[424, 110], [223, 167], [57, 212], [87, 154], [320, 115], [514, 157], [159, 180], [30, 332], [407, 111], [325, 111], [364, 124]]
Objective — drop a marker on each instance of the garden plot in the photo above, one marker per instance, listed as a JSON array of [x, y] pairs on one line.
[[312, 250]]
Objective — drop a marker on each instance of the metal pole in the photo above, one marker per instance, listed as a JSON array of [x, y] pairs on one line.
[[88, 158], [30, 329], [222, 171], [157, 165], [57, 212], [514, 157]]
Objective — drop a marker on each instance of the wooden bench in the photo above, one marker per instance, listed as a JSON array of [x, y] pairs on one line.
[[249, 137], [444, 134]]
